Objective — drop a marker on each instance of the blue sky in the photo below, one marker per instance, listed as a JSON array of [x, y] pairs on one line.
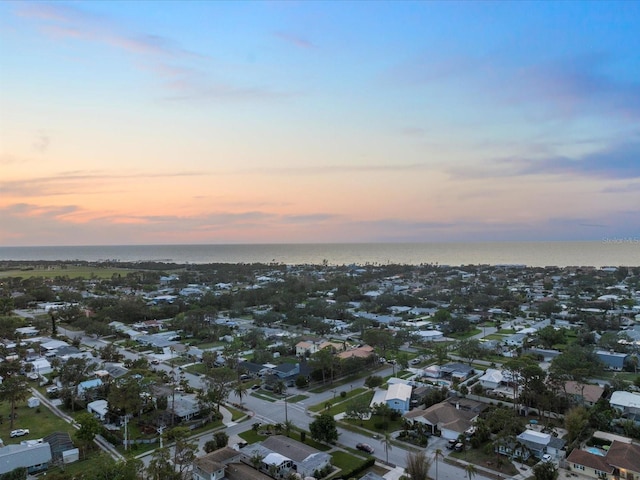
[[253, 122]]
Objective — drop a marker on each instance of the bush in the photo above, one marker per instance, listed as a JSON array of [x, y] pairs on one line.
[[343, 394], [356, 469]]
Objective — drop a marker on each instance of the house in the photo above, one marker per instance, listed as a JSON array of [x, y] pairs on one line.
[[35, 457], [282, 455], [87, 385], [100, 408], [537, 444], [398, 397], [365, 351], [456, 371], [491, 379], [622, 460], [626, 402], [183, 406], [287, 370], [583, 394], [452, 417], [590, 464], [212, 466], [515, 339], [612, 360]]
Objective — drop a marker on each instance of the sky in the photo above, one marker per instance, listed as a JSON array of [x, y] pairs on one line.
[[318, 122]]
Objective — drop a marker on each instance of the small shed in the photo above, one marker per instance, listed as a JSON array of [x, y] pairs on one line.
[[33, 402]]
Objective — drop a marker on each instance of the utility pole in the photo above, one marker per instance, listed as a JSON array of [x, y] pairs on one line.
[[126, 443], [160, 431]]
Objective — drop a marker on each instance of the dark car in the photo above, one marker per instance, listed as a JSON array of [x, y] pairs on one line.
[[365, 447]]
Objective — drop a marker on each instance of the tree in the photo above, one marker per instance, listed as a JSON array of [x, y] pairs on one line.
[[576, 421], [358, 409], [125, 397], [160, 466], [110, 353], [470, 471], [469, 349], [13, 389], [418, 465], [184, 451], [324, 429], [436, 455], [386, 443], [545, 471], [374, 381], [221, 439], [323, 360], [90, 426], [218, 386], [240, 389]]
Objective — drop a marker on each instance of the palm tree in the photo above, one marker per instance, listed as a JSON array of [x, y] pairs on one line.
[[240, 389], [437, 454], [418, 465], [288, 427], [470, 471], [386, 443]]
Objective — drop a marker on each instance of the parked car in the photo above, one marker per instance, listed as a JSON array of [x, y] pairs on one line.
[[255, 387], [458, 447], [19, 432], [365, 447], [451, 444], [546, 457]]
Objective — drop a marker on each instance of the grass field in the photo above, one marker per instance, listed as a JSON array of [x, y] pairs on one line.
[[70, 271], [40, 421]]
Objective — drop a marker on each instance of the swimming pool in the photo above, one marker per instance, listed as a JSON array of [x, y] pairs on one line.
[[596, 451]]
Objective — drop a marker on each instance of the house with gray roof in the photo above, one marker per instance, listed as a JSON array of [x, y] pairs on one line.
[[286, 455], [34, 457]]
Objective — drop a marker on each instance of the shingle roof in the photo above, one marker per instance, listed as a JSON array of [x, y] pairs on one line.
[[216, 460], [597, 462], [625, 456]]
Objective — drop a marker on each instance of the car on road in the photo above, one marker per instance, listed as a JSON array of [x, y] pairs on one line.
[[365, 447], [19, 432], [546, 457], [452, 443]]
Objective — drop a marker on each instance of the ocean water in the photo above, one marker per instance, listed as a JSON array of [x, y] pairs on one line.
[[610, 252]]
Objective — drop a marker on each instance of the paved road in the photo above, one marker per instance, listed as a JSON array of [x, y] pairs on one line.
[[264, 411]]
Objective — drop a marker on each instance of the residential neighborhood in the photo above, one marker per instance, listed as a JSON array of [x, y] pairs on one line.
[[163, 371]]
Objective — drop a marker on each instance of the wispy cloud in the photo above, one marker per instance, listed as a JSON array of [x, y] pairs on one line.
[[90, 182], [294, 40], [617, 161], [183, 72], [41, 142], [563, 88]]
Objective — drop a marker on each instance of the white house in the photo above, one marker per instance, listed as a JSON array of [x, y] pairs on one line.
[[625, 402], [99, 408], [491, 379]]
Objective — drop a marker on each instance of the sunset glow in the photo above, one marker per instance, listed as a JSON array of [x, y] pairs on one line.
[[286, 122]]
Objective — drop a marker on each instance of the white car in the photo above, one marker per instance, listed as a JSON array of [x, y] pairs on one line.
[[19, 432], [546, 457]]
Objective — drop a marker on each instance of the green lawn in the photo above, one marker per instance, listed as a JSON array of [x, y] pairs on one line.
[[40, 421], [196, 368], [340, 400], [262, 397]]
